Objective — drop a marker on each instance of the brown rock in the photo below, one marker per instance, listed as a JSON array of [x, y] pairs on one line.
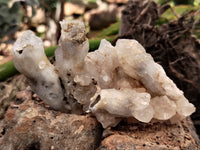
[[117, 1], [32, 126], [156, 136], [96, 17], [9, 90]]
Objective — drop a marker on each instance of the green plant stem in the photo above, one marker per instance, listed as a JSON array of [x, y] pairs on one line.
[[94, 43], [8, 69], [113, 29]]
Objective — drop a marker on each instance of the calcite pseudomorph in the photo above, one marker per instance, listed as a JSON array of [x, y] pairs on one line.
[[30, 59], [111, 82]]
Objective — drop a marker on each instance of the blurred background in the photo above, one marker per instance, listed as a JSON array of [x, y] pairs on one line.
[[43, 16]]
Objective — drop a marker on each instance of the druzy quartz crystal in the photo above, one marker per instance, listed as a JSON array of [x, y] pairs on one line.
[[113, 82]]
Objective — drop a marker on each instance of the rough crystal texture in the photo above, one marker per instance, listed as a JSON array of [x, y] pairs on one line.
[[72, 49], [114, 82], [130, 84]]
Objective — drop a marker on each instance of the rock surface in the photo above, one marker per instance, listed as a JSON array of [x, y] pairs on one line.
[[9, 90], [32, 126], [157, 136]]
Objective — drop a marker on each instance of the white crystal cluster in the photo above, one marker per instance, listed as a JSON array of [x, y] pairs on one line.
[[111, 82]]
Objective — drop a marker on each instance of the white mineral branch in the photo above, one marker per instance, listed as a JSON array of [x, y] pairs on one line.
[[111, 82], [30, 59]]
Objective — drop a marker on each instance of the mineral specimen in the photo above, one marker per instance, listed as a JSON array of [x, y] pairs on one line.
[[111, 82], [30, 59]]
